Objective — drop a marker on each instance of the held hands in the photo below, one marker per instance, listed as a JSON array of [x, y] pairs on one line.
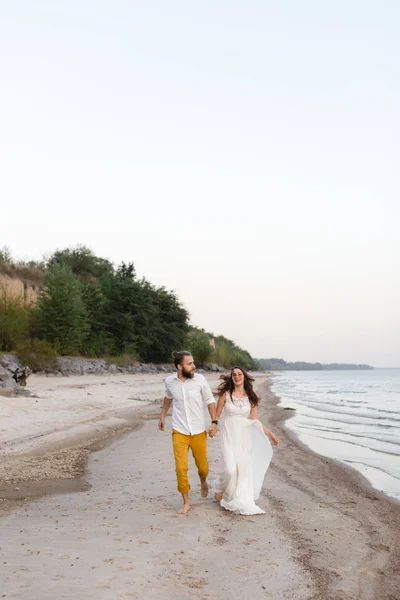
[[212, 430]]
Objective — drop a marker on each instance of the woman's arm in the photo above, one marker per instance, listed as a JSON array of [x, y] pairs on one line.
[[220, 405], [254, 413], [271, 436], [268, 433]]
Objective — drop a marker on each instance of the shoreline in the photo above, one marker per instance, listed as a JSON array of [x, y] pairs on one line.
[[347, 493], [279, 419]]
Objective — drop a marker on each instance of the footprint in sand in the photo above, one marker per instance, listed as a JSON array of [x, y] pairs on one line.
[[220, 541]]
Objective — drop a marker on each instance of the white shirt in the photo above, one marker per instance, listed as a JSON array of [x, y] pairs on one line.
[[188, 400]]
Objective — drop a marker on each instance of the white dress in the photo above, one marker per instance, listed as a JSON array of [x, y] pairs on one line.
[[246, 453]]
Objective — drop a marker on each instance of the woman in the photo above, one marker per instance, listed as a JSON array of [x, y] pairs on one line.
[[245, 447]]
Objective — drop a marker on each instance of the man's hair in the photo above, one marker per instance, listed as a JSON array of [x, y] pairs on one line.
[[179, 356]]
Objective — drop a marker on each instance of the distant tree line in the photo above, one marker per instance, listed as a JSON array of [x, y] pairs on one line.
[[87, 306], [278, 364]]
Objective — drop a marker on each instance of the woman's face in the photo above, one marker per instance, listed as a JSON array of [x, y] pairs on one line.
[[238, 377]]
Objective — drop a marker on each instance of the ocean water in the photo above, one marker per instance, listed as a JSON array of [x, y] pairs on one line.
[[353, 416]]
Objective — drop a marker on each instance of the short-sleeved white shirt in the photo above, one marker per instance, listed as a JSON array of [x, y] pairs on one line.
[[188, 399]]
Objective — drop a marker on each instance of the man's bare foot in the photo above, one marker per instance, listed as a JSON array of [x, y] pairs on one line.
[[184, 510], [204, 488], [218, 497]]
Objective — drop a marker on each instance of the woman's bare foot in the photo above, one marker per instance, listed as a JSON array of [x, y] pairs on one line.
[[218, 497], [204, 488], [184, 510]]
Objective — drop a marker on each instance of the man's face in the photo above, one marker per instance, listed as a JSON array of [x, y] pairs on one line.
[[187, 367]]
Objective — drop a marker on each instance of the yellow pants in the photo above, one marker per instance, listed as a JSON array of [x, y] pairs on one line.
[[181, 444]]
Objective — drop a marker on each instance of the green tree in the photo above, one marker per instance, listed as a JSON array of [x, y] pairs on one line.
[[229, 354], [199, 346], [82, 261], [239, 358], [99, 341], [119, 291], [61, 316], [222, 354], [161, 323], [142, 317]]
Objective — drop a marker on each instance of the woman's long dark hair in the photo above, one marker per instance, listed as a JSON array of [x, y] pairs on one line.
[[227, 385]]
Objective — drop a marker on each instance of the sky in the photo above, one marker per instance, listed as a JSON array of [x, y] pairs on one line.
[[244, 154]]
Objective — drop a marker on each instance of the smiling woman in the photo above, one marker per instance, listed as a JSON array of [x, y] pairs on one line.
[[245, 445]]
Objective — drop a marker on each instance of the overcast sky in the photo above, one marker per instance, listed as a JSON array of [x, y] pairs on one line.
[[245, 154]]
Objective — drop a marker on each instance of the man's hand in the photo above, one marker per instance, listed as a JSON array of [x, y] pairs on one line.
[[166, 406], [212, 430]]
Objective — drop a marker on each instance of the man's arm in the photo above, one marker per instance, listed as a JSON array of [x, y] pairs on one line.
[[210, 401], [165, 409], [212, 410], [213, 414]]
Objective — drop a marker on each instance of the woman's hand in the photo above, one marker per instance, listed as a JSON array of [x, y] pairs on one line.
[[270, 435], [273, 438]]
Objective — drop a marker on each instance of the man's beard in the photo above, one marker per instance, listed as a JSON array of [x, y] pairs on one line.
[[187, 374]]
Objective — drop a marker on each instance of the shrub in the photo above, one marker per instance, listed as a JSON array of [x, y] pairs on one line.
[[5, 256], [13, 322], [38, 355], [125, 360]]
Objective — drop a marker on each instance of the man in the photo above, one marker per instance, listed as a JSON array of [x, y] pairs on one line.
[[188, 391]]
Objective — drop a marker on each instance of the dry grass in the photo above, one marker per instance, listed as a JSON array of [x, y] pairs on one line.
[[125, 360], [32, 273]]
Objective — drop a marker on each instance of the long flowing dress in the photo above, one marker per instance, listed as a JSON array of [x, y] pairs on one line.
[[246, 453]]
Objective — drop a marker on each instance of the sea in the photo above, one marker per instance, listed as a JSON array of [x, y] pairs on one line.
[[352, 416]]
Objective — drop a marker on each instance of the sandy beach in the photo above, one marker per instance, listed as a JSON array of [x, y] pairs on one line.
[[88, 508]]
